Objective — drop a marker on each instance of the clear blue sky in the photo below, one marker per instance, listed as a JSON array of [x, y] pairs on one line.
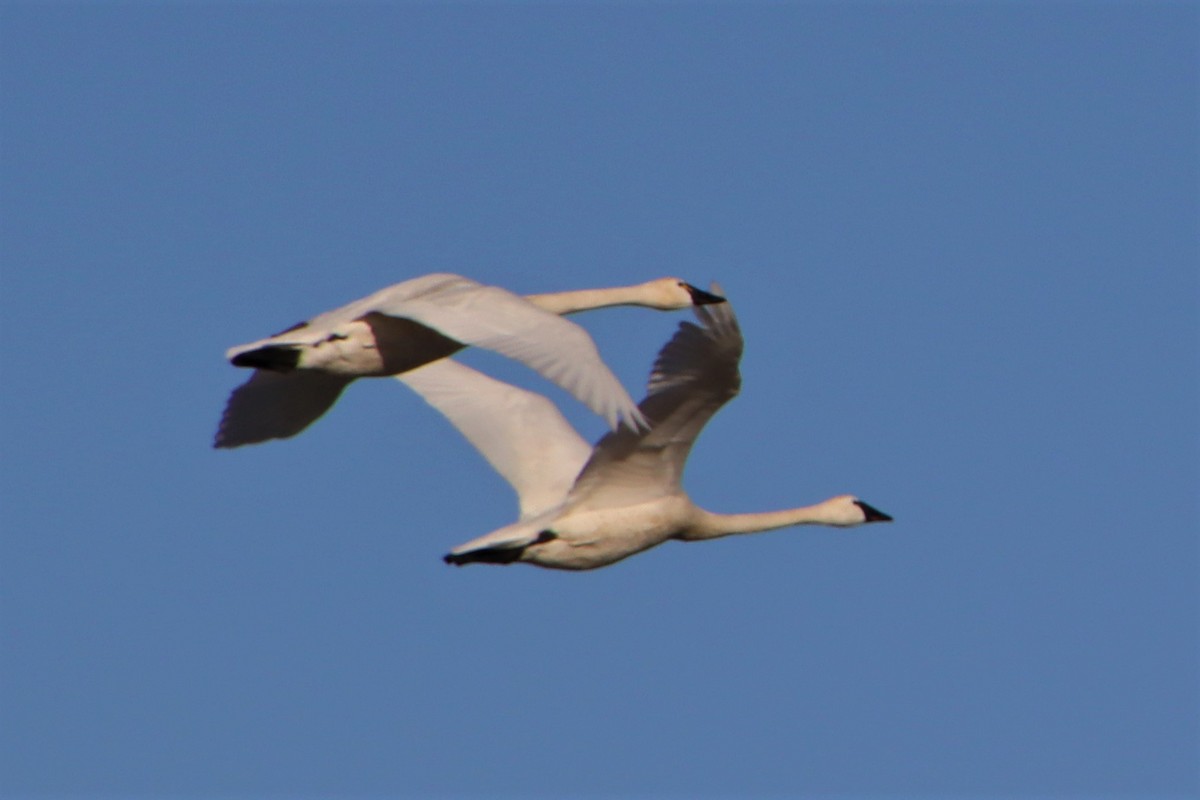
[[962, 242]]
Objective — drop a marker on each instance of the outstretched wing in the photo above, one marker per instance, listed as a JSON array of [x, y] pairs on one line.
[[520, 433], [558, 349], [484, 316], [276, 405], [695, 374]]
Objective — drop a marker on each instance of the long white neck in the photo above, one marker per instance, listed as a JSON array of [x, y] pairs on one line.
[[587, 299], [707, 525]]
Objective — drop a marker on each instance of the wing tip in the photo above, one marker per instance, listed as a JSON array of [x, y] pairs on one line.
[[635, 420]]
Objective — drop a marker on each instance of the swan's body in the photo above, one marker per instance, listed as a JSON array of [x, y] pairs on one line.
[[583, 508], [299, 373]]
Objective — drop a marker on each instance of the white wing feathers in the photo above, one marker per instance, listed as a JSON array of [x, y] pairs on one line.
[[559, 350], [483, 316], [520, 433], [708, 354], [695, 374], [388, 300], [526, 439]]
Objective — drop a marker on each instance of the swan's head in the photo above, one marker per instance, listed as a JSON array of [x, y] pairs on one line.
[[847, 510], [671, 294]]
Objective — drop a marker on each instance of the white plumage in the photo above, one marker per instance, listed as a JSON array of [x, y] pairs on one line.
[[582, 507], [299, 373]]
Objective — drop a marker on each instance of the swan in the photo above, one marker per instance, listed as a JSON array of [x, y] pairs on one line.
[[583, 507], [300, 372]]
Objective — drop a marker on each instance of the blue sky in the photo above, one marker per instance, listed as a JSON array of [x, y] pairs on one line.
[[962, 242]]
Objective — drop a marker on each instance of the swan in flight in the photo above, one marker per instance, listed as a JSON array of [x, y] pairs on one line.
[[584, 507], [299, 373]]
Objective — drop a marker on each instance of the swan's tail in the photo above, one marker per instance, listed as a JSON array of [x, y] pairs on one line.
[[506, 553]]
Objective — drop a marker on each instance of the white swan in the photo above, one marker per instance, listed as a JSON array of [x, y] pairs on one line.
[[299, 373], [583, 508]]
